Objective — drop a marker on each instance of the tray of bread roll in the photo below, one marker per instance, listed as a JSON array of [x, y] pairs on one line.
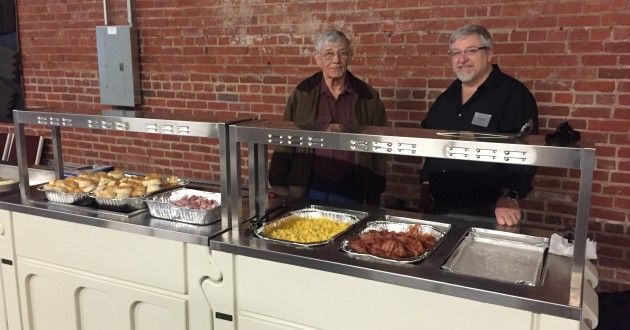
[[113, 190], [129, 191]]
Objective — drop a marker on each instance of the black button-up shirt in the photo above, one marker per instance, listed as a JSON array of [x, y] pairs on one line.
[[501, 104]]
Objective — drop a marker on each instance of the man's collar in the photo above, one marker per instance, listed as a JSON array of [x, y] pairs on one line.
[[347, 88]]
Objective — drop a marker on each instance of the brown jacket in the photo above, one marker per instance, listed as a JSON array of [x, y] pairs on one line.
[[290, 168]]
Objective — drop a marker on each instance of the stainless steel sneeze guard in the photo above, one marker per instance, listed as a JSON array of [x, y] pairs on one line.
[[530, 150], [57, 121]]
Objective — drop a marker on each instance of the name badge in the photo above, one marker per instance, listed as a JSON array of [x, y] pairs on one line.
[[481, 119]]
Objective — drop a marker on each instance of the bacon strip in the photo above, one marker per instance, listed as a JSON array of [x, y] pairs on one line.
[[393, 245]]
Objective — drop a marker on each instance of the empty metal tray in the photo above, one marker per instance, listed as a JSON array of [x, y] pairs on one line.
[[500, 256]]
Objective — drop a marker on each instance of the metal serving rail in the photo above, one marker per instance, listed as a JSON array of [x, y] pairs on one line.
[[530, 150], [217, 130]]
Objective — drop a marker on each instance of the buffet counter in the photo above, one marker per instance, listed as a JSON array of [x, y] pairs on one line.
[[289, 269], [63, 264], [553, 296], [140, 222]]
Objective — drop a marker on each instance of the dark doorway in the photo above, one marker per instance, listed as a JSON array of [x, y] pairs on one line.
[[11, 93]]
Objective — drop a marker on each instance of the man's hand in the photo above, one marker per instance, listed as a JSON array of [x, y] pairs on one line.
[[507, 211], [335, 128], [276, 191]]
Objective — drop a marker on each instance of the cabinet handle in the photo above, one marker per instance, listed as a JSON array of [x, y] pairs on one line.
[[7, 262]]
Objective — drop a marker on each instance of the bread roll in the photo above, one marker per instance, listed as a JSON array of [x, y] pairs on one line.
[[88, 188], [151, 182], [116, 174], [153, 188]]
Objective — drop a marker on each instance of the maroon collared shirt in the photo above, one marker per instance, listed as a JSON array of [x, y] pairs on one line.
[[334, 165]]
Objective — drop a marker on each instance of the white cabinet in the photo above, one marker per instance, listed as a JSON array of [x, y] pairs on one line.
[[278, 296], [211, 289], [9, 303], [74, 276], [56, 298]]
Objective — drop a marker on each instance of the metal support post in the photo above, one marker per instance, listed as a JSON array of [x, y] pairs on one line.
[[55, 133], [20, 146], [235, 180], [224, 164], [257, 157]]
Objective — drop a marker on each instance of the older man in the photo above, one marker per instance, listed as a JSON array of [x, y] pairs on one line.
[[332, 99], [481, 99]]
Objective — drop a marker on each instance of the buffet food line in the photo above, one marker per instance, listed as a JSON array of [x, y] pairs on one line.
[[287, 243]]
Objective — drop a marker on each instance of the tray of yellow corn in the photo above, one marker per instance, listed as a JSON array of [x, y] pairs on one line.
[[311, 226]]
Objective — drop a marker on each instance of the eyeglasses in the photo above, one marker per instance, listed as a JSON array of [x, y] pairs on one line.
[[470, 51], [341, 54]]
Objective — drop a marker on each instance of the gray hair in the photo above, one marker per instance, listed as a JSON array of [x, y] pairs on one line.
[[471, 29], [332, 36]]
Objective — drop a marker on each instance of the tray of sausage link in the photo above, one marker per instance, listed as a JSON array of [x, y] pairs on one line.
[[311, 226], [191, 206], [396, 239]]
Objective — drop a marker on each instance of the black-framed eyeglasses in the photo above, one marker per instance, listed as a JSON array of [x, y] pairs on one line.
[[470, 51]]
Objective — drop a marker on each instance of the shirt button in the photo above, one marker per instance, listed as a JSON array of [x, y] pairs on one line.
[[459, 115]]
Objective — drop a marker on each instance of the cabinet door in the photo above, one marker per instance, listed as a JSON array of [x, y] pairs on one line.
[[55, 297], [273, 295], [9, 305], [3, 309]]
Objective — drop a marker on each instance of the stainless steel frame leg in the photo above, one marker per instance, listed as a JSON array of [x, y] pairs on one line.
[[236, 201], [55, 132], [224, 164], [257, 167], [20, 147], [587, 165]]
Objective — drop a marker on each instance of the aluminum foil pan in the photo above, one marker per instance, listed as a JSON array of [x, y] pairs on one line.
[[399, 227], [162, 206], [493, 254], [65, 198], [311, 213], [119, 204]]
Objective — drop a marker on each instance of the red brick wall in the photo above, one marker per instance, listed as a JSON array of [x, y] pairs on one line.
[[207, 58]]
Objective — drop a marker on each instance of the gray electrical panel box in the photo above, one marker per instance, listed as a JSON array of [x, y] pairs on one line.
[[118, 66]]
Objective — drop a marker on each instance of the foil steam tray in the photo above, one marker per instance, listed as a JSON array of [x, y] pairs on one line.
[[65, 198], [312, 212], [396, 227], [501, 256], [135, 203], [163, 206]]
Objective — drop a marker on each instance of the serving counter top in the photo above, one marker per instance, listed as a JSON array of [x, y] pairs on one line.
[[552, 297], [139, 222]]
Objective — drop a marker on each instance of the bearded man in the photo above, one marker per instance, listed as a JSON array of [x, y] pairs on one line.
[[481, 99]]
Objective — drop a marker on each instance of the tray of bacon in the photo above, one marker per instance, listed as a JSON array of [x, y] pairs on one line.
[[399, 242]]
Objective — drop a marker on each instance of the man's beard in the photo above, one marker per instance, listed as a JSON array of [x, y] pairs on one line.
[[466, 76]]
